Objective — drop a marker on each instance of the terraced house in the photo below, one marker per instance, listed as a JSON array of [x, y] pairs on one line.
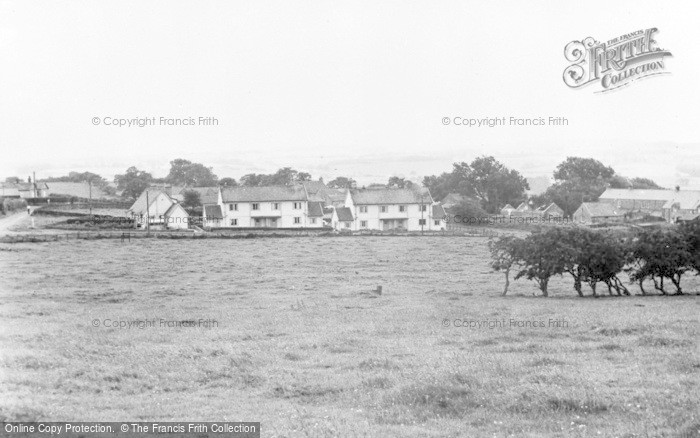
[[265, 207], [410, 209]]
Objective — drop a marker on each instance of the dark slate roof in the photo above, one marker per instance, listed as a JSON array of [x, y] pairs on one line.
[[344, 214], [438, 211], [315, 209], [601, 209], [264, 193], [381, 196], [207, 195], [213, 212]]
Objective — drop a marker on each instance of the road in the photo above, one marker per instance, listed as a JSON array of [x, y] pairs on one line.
[[10, 221]]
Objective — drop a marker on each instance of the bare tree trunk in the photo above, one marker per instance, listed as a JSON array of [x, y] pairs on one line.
[[641, 286], [677, 282], [505, 289]]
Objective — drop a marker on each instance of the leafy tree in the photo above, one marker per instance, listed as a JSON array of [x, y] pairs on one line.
[[579, 180], [662, 254], [399, 182], [342, 182], [285, 176], [133, 182], [542, 258], [186, 173], [227, 182], [484, 178], [191, 199], [691, 234], [468, 208], [506, 253]]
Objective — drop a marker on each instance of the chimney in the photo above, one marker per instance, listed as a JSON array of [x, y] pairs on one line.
[[678, 188]]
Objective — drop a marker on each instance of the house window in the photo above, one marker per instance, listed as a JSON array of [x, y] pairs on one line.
[[421, 221], [297, 220], [437, 223], [363, 209], [234, 222], [233, 207], [275, 206], [383, 208], [363, 224], [347, 224], [423, 207], [256, 206], [313, 220], [402, 208], [297, 205]]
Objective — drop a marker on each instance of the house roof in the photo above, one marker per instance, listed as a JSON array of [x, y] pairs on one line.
[[344, 214], [264, 193], [686, 200], [637, 194], [686, 217], [438, 211], [172, 209], [315, 209], [508, 207], [139, 206], [76, 189], [553, 208], [381, 196], [207, 195], [30, 186], [523, 207], [601, 209], [213, 212]]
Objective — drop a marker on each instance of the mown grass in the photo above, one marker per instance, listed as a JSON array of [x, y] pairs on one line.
[[303, 345]]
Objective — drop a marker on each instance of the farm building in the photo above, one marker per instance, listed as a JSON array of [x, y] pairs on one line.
[[453, 199], [507, 210], [212, 216], [667, 204], [270, 207], [597, 212], [342, 219], [31, 190], [384, 208], [552, 211], [9, 190], [161, 210]]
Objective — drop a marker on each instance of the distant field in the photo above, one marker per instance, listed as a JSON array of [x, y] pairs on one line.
[[303, 345]]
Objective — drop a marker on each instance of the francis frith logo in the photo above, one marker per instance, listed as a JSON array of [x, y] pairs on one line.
[[614, 63]]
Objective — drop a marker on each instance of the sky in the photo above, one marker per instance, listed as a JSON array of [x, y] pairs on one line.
[[342, 88]]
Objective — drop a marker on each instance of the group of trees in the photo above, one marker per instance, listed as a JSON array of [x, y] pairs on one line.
[[578, 180], [592, 257], [485, 180]]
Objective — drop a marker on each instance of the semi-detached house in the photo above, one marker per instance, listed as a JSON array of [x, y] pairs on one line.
[[265, 207], [410, 209]]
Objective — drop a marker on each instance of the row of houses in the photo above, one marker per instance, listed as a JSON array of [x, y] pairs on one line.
[[304, 205], [43, 190], [617, 205]]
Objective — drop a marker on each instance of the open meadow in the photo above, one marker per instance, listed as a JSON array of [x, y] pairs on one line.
[[289, 332]]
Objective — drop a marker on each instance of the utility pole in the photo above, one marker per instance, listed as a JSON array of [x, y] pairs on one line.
[[90, 200], [148, 216], [422, 207]]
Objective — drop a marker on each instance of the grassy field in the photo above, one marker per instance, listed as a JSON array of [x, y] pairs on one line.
[[292, 335]]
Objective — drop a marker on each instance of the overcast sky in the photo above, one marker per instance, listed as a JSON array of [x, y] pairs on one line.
[[337, 88]]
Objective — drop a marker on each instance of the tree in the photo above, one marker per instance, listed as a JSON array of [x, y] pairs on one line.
[[191, 199], [506, 252], [579, 180], [399, 182], [542, 258], [484, 178], [186, 173], [661, 254], [496, 185], [133, 182], [342, 182], [227, 182], [285, 176]]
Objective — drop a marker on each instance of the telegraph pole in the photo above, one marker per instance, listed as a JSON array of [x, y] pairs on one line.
[[148, 216], [90, 200]]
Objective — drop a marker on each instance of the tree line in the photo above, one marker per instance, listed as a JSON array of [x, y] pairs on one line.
[[595, 257]]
